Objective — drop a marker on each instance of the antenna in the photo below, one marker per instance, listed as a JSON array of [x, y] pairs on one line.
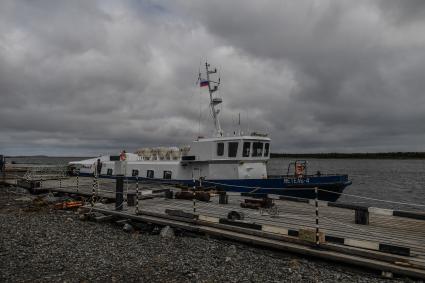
[[239, 122], [214, 101]]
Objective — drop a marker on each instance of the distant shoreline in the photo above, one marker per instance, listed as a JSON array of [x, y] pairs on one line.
[[332, 155], [383, 155]]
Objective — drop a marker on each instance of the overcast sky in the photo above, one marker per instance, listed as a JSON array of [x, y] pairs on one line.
[[92, 77]]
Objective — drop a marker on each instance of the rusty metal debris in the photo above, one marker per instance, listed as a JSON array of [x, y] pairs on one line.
[[68, 204], [257, 203]]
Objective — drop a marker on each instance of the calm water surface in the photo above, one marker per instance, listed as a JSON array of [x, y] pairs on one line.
[[391, 180]]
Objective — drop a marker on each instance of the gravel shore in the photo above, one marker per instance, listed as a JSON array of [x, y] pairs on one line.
[[40, 244]]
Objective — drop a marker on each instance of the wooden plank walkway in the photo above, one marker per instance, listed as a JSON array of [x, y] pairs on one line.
[[292, 215], [403, 265], [333, 221]]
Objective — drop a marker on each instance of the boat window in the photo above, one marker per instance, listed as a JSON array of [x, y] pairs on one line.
[[150, 174], [246, 149], [257, 149], [220, 149], [266, 149], [167, 174], [135, 173], [233, 149], [109, 172]]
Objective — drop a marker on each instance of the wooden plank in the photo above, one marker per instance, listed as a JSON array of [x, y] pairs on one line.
[[275, 229], [408, 214], [209, 218]]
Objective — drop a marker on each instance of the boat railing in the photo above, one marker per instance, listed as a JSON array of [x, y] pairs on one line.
[[304, 176]]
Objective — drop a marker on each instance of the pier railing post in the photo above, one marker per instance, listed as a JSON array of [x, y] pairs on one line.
[[223, 198], [194, 196], [93, 190], [97, 184], [316, 203], [194, 201], [78, 181], [137, 194]]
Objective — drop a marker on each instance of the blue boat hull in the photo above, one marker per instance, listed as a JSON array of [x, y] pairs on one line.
[[330, 186]]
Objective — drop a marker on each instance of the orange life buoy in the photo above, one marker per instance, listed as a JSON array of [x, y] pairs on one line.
[[123, 156], [299, 169]]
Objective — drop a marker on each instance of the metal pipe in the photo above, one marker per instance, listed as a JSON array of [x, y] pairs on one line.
[[137, 194], [316, 203]]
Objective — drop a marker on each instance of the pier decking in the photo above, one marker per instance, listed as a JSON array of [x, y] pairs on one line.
[[388, 243]]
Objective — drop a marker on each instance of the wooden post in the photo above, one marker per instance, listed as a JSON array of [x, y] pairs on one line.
[[131, 199], [119, 192], [223, 198], [362, 216]]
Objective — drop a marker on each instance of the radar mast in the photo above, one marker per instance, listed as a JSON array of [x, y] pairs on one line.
[[214, 101]]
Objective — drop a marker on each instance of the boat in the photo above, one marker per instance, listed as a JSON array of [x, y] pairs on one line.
[[231, 163]]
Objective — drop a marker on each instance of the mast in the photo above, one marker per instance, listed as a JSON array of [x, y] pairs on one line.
[[214, 101]]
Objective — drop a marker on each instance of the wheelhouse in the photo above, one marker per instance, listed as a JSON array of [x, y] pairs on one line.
[[231, 148], [244, 148]]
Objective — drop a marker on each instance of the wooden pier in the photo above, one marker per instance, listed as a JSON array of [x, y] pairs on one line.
[[388, 243]]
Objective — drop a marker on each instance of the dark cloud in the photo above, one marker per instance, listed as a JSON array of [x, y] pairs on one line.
[[402, 12], [87, 77]]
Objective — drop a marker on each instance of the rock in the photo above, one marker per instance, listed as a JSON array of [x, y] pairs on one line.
[[51, 199], [228, 259], [231, 250], [24, 199], [97, 214], [100, 205], [128, 228], [167, 232], [83, 217], [387, 274], [144, 227], [82, 210]]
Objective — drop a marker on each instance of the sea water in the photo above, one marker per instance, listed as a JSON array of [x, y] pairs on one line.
[[386, 180]]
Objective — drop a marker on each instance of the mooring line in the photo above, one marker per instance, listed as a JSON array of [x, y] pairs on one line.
[[369, 198]]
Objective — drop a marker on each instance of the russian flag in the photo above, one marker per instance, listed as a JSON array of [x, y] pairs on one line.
[[204, 83]]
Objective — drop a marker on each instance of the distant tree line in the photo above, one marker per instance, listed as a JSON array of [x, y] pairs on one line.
[[381, 155]]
